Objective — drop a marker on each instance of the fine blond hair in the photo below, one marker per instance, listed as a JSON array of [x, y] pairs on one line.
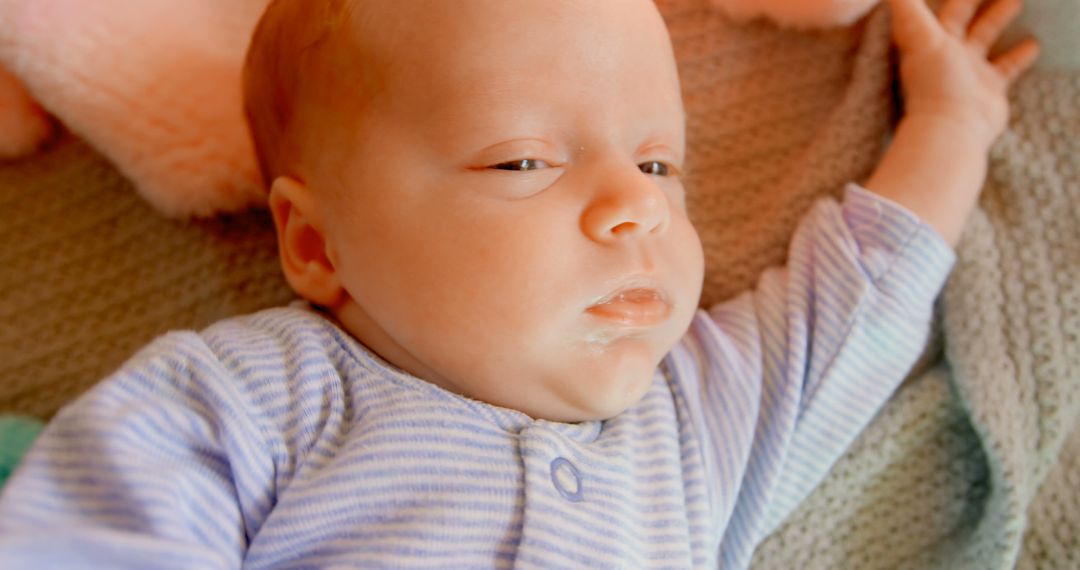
[[294, 66]]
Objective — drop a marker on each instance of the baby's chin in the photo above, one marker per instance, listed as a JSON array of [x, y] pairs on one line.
[[603, 389]]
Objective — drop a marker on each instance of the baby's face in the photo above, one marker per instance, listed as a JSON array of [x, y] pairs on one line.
[[509, 223]]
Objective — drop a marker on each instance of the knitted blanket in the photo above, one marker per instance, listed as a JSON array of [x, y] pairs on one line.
[[975, 463], [16, 435]]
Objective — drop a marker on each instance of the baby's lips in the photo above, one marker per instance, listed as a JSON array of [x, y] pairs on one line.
[[638, 306]]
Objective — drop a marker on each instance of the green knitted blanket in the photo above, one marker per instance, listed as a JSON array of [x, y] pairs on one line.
[[16, 435], [975, 463]]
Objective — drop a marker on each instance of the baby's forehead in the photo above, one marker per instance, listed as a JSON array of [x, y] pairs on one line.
[[440, 39], [487, 61], [446, 27]]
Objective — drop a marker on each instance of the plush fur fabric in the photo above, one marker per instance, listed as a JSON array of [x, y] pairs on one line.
[[153, 85]]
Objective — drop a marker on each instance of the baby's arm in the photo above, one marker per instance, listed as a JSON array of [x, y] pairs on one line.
[[955, 107], [147, 470]]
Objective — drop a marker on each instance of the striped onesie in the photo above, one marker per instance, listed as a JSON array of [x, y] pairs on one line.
[[275, 440]]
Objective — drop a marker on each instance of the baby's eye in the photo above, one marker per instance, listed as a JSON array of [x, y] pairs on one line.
[[522, 165], [655, 168]]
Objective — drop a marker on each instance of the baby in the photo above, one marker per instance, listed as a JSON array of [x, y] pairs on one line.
[[500, 361]]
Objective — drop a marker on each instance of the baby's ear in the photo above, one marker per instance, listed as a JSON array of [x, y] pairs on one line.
[[302, 243]]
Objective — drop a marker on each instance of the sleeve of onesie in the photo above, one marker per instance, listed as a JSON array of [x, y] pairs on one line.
[[158, 466], [829, 337]]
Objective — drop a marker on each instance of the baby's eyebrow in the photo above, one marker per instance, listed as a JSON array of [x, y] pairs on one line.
[[674, 139]]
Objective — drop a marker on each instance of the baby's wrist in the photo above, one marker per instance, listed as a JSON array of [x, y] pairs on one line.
[[967, 126], [934, 167]]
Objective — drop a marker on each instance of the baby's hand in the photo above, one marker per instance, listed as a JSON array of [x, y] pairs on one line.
[[945, 69]]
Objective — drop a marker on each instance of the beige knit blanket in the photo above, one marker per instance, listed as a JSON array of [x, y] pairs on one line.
[[975, 463]]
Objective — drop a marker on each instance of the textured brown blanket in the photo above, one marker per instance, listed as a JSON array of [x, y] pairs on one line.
[[974, 464]]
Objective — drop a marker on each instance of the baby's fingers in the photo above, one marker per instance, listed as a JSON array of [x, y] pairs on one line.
[[914, 25], [1016, 61], [988, 25], [955, 15]]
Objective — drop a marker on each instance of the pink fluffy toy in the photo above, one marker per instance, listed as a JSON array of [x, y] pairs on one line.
[[154, 86]]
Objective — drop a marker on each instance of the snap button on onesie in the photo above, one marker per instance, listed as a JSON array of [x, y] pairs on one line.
[[566, 478]]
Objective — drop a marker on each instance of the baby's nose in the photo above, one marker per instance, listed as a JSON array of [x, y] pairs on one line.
[[627, 205]]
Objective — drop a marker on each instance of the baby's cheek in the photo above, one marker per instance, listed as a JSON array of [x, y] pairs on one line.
[[689, 263]]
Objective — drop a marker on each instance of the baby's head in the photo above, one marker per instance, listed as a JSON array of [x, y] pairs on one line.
[[483, 192]]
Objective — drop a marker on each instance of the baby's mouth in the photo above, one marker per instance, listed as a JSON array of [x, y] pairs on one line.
[[635, 307]]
